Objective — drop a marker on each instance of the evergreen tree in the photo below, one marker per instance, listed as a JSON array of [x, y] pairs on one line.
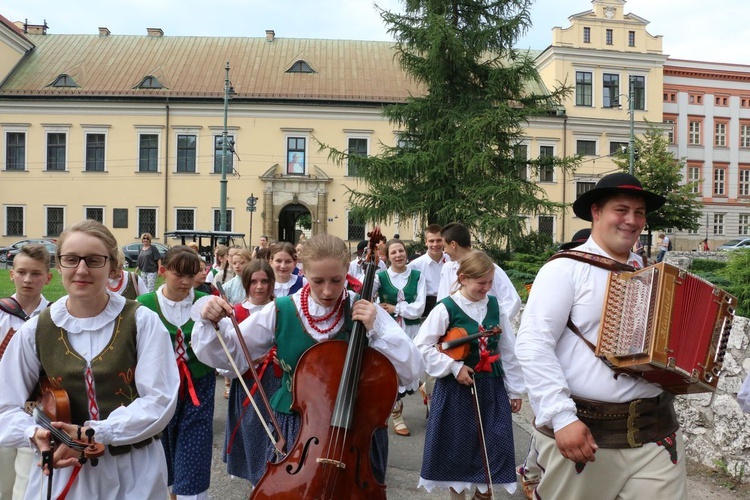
[[456, 158], [659, 171]]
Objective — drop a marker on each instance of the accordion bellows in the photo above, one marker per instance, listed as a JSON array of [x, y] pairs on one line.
[[667, 325]]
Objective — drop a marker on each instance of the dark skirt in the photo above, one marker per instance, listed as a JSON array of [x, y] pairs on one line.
[[290, 425], [245, 445], [188, 440], [452, 445]]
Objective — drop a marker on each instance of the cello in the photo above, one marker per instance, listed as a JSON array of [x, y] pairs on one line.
[[343, 391]]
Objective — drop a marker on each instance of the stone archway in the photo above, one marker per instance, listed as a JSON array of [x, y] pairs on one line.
[[288, 217]]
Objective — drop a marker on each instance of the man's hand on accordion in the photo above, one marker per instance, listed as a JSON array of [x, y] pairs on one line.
[[576, 443]]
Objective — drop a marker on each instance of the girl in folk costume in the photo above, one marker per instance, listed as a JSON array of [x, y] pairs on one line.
[[322, 310], [29, 275], [244, 431], [115, 361], [187, 439], [199, 283], [233, 288], [281, 257], [402, 293], [126, 283], [220, 255], [226, 271], [495, 374]]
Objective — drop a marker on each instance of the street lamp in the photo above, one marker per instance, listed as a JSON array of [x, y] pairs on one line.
[[228, 90]]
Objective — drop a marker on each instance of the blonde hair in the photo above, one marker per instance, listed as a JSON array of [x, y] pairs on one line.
[[193, 245], [37, 252], [98, 231], [476, 264], [245, 254], [325, 246]]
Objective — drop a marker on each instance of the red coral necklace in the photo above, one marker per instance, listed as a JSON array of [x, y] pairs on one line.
[[338, 310]]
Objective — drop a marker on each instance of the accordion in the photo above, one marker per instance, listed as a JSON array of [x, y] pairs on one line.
[[667, 325]]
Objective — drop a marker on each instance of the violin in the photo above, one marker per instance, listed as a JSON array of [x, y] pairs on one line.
[[456, 341], [342, 391]]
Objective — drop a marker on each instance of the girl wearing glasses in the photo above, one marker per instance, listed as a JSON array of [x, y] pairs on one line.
[[115, 361]]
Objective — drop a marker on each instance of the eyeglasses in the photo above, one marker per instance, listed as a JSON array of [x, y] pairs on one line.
[[92, 261], [146, 239]]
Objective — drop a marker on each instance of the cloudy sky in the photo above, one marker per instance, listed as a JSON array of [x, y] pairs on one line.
[[693, 29]]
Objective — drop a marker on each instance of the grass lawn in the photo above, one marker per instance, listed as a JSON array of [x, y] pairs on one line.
[[52, 292]]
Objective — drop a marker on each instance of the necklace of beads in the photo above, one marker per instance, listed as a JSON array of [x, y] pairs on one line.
[[305, 303]]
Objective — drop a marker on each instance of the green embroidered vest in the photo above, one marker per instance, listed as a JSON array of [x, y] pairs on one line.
[[388, 293], [291, 342], [113, 368], [458, 318], [197, 369]]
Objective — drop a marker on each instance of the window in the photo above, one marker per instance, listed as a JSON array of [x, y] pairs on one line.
[[355, 227], [584, 186], [55, 221], [720, 134], [720, 100], [295, 154], [521, 156], [148, 152], [147, 221], [94, 213], [14, 221], [744, 182], [186, 153], [695, 98], [219, 149], [745, 102], [616, 147], [610, 90], [120, 218], [94, 152], [718, 224], [638, 90], [56, 151], [546, 225], [694, 132], [694, 179], [586, 148], [744, 225], [670, 96], [185, 218], [631, 38], [150, 82], [357, 149], [300, 67], [670, 131], [745, 135], [15, 151], [217, 219], [586, 35], [608, 37], [64, 81], [720, 174], [583, 88], [546, 167]]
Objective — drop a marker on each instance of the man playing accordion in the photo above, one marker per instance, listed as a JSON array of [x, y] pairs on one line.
[[599, 435]]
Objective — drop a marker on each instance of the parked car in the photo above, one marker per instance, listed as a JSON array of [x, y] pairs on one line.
[[132, 250], [9, 255], [735, 244], [18, 244]]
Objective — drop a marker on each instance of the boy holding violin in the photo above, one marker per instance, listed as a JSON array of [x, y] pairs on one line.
[[485, 381]]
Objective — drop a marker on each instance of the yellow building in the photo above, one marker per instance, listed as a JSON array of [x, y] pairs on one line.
[[127, 129]]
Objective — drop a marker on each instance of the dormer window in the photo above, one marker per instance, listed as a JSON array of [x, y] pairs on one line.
[[300, 67], [150, 82], [64, 81]]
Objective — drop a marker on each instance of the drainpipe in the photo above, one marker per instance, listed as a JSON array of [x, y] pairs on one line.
[[564, 176], [166, 172]]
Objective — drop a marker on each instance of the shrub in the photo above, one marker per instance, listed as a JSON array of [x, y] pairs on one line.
[[738, 273]]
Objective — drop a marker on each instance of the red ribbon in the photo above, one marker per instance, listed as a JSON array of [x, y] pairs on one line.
[[485, 359], [186, 382]]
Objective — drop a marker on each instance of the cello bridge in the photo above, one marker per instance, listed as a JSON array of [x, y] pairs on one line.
[[330, 461]]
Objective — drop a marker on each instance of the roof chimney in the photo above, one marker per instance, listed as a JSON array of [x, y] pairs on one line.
[[103, 31], [154, 32], [270, 35]]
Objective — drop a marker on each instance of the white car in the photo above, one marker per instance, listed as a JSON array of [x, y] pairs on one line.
[[736, 244]]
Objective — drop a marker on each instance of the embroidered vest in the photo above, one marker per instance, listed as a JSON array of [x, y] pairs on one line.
[[388, 293], [292, 341], [458, 318], [113, 368], [197, 369]]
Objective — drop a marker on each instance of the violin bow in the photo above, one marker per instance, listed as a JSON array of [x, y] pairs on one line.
[[280, 443], [481, 436]]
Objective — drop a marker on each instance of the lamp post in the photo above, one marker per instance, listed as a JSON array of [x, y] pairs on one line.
[[223, 181], [631, 143]]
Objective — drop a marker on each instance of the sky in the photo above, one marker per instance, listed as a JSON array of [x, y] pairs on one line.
[[701, 30]]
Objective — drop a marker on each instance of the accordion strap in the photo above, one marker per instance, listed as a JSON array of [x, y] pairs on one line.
[[594, 260]]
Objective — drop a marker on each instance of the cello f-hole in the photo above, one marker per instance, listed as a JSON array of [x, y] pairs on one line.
[[305, 451]]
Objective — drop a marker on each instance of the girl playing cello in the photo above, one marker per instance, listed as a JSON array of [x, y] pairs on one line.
[[322, 310], [452, 426]]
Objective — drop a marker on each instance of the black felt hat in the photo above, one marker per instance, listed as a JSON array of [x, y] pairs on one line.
[[619, 183], [578, 239]]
